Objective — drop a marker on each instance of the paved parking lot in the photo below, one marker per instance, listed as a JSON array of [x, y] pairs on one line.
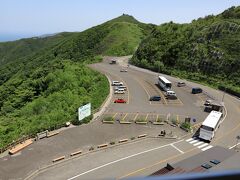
[[140, 87], [147, 117]]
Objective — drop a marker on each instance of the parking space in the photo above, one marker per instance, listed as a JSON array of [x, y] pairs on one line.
[[174, 102], [141, 117], [130, 117], [120, 94], [202, 97], [148, 117], [152, 117], [153, 90]]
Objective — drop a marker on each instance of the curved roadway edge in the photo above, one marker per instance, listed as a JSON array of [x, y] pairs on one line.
[[105, 104]]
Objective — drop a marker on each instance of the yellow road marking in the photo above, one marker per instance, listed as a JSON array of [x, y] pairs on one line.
[[200, 97], [146, 117], [180, 101], [135, 117], [114, 115], [195, 125], [157, 163], [128, 96], [229, 132], [164, 99], [143, 87], [124, 116]]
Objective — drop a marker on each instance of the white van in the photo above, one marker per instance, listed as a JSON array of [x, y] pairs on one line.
[[114, 82], [117, 83], [171, 94]]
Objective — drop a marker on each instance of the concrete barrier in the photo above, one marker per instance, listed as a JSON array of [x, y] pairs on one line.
[[58, 159], [158, 123], [125, 122], [76, 153], [102, 145], [122, 140], [52, 134], [108, 122], [142, 135], [141, 122], [20, 146]]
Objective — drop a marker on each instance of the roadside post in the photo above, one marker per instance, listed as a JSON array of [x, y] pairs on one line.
[[238, 138]]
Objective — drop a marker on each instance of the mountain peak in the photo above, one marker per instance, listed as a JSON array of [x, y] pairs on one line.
[[125, 18]]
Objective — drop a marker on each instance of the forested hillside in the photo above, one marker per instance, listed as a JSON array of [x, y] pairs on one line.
[[44, 80], [206, 50]]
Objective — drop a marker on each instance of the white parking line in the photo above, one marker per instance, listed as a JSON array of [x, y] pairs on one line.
[[203, 145], [206, 148], [234, 145], [177, 149], [104, 165], [198, 143], [191, 142], [190, 139]]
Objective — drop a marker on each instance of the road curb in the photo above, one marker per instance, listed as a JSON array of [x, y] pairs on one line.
[[58, 159], [122, 140], [105, 104], [102, 145], [76, 153]]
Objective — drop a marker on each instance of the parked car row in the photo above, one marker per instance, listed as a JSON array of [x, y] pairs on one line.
[[119, 88]]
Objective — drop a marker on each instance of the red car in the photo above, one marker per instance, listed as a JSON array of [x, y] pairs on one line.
[[120, 101]]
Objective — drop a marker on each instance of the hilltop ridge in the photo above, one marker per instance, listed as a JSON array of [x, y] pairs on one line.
[[44, 80], [206, 50]]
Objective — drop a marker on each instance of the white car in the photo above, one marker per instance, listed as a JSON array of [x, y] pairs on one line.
[[123, 70], [119, 91], [117, 88], [171, 95], [117, 83], [122, 87]]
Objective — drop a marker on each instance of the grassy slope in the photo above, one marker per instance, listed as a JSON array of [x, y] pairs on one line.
[[10, 51], [206, 50], [68, 86], [44, 84], [123, 39]]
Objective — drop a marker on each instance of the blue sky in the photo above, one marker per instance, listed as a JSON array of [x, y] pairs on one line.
[[26, 18]]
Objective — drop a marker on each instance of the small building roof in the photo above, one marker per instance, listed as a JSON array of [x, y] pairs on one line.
[[228, 159]]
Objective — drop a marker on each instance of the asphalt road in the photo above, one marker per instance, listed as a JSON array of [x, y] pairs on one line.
[[135, 159]]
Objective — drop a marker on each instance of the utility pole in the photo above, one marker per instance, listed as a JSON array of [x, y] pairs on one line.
[[238, 138], [223, 95]]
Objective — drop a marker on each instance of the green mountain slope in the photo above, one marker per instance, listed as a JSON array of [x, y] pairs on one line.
[[16, 49], [43, 81], [206, 50]]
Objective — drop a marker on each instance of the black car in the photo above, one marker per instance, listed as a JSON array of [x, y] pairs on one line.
[[196, 90], [155, 98]]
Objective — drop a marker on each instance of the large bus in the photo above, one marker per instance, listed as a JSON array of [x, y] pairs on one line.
[[210, 125], [164, 83]]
